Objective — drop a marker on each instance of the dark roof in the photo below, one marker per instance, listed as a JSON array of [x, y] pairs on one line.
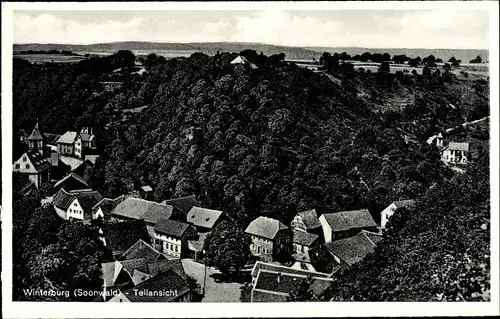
[[80, 169], [281, 282], [87, 200], [137, 208], [35, 134], [350, 219], [62, 199], [72, 182], [310, 219], [166, 281], [203, 217], [39, 163], [265, 227], [408, 203], [120, 236], [183, 204], [141, 250], [107, 204], [171, 227], [352, 249], [52, 138], [305, 239], [259, 265], [156, 267]]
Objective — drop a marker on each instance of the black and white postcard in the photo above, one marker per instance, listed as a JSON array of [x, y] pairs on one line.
[[311, 157]]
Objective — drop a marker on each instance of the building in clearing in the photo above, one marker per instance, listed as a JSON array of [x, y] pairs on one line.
[[242, 60], [455, 153], [392, 208]]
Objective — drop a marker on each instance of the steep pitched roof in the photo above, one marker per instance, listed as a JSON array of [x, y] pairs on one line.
[[52, 138], [63, 199], [141, 250], [68, 138], [242, 60], [310, 219], [120, 236], [350, 219], [107, 204], [72, 178], [203, 217], [156, 267], [39, 162], [265, 227], [352, 249], [139, 277], [197, 245], [171, 227], [303, 238], [35, 134], [453, 146], [167, 281], [375, 238], [183, 204], [408, 203], [87, 200], [137, 208]]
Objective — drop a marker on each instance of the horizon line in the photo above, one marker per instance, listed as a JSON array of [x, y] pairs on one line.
[[253, 43]]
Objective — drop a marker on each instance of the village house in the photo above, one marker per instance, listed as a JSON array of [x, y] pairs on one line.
[[203, 219], [307, 221], [455, 153], [70, 144], [88, 139], [34, 166], [146, 192], [120, 236], [137, 208], [165, 287], [271, 239], [171, 237], [302, 242], [147, 263], [345, 224], [273, 283], [332, 256], [244, 61], [76, 204], [392, 208]]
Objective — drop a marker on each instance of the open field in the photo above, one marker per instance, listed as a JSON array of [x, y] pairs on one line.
[[43, 58]]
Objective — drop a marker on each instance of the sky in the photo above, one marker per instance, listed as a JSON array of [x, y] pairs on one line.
[[453, 29]]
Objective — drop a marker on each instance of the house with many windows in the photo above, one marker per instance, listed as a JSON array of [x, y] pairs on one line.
[[455, 153], [271, 239], [70, 144], [171, 237]]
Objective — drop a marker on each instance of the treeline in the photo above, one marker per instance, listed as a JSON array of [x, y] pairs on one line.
[[62, 52]]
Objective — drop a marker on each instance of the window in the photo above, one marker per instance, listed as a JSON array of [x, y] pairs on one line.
[[302, 249], [24, 159], [27, 166], [74, 204], [175, 247], [258, 249], [70, 210], [18, 166]]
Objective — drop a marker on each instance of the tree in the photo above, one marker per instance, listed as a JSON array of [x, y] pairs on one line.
[[227, 248], [476, 60], [384, 68]]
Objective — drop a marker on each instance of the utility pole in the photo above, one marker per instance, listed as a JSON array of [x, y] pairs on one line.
[[205, 276]]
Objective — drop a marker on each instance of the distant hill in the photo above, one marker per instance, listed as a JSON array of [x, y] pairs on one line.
[[211, 48], [462, 54]]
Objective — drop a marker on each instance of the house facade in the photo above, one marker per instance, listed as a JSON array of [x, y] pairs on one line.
[[271, 239], [70, 144], [35, 166], [455, 153], [76, 205], [171, 237], [392, 208]]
